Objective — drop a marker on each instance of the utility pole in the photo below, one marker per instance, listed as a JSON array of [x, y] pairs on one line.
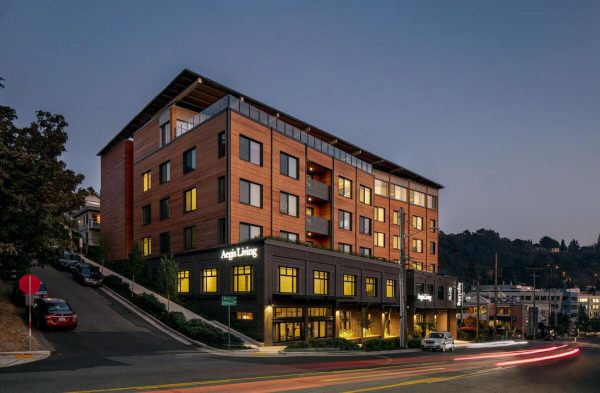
[[402, 279], [495, 293], [477, 313], [535, 313]]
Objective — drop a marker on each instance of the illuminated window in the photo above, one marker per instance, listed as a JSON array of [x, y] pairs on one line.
[[321, 282], [365, 195], [189, 237], [310, 211], [395, 215], [345, 187], [345, 220], [371, 286], [189, 198], [249, 231], [250, 193], [417, 198], [250, 150], [288, 312], [417, 222], [147, 246], [364, 225], [379, 239], [417, 245], [244, 315], [319, 311], [349, 285], [432, 202], [183, 281], [288, 279], [379, 214], [381, 188], [396, 242], [189, 160], [242, 278], [164, 172], [390, 288], [147, 177], [209, 280], [399, 193]]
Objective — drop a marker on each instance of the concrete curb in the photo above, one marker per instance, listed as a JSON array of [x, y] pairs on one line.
[[8, 359]]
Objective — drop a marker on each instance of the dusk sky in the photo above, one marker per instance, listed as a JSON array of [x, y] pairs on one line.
[[498, 101]]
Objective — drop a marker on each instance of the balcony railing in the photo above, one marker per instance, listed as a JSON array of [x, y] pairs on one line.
[[317, 225], [317, 189]]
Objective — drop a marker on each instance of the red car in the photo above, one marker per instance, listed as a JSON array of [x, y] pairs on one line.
[[53, 313]]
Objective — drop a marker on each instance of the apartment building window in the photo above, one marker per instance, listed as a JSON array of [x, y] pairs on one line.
[[165, 242], [432, 225], [147, 246], [147, 180], [165, 208], [183, 281], [417, 198], [364, 225], [222, 145], [244, 315], [349, 285], [242, 278], [432, 248], [288, 204], [417, 245], [345, 220], [345, 248], [398, 192], [250, 193], [189, 160], [249, 231], [165, 133], [381, 188], [222, 231], [288, 279], [396, 242], [379, 239], [432, 202], [146, 215], [440, 292], [371, 286], [365, 252], [164, 172], [395, 215], [364, 195], [189, 237], [221, 189], [288, 166], [250, 150], [390, 288], [321, 282], [345, 187], [417, 222], [379, 214], [189, 198], [289, 236], [209, 280], [310, 211]]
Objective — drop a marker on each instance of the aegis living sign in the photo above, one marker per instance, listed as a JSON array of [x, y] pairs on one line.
[[239, 252]]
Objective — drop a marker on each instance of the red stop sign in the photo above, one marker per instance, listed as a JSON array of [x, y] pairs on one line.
[[24, 284]]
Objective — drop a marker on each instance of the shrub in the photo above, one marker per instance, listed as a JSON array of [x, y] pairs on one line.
[[177, 321], [465, 335], [380, 344], [414, 343], [332, 343], [151, 305], [116, 284]]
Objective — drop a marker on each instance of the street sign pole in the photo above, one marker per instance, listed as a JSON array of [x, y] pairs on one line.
[[29, 298], [229, 328]]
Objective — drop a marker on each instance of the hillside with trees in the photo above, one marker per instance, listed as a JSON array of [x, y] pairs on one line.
[[470, 256]]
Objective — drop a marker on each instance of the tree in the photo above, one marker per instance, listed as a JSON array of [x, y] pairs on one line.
[[583, 319], [573, 246], [563, 246], [168, 277], [37, 191], [103, 250], [598, 242], [548, 243], [1, 84], [136, 263]]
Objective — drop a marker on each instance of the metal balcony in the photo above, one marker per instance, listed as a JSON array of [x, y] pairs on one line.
[[317, 225], [315, 188]]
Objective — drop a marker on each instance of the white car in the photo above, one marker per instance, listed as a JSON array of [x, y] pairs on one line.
[[438, 340]]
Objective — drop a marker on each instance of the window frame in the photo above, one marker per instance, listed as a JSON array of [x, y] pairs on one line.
[[382, 185], [390, 284], [349, 279], [371, 286], [189, 237], [250, 227], [379, 214], [206, 278], [147, 181], [363, 192], [237, 276], [161, 239], [193, 161], [221, 190], [344, 187], [146, 215], [162, 210], [287, 197], [321, 282], [250, 188], [164, 172], [192, 206], [342, 215], [377, 236], [286, 158], [183, 276], [361, 225], [249, 158], [221, 145]]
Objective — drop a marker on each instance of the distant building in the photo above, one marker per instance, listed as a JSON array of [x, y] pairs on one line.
[[87, 219]]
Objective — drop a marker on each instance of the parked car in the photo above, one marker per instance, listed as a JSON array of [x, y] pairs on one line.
[[21, 299], [67, 261], [53, 313], [87, 274], [438, 340]]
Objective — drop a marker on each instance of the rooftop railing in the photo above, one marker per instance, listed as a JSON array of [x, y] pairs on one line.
[[273, 122]]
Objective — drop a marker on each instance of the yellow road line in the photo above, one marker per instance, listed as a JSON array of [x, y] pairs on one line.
[[425, 380], [246, 379], [399, 373]]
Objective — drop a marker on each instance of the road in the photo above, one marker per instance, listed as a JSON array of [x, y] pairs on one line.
[[115, 351]]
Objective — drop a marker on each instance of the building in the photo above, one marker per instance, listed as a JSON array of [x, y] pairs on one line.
[[87, 219], [203, 169], [591, 302], [511, 317]]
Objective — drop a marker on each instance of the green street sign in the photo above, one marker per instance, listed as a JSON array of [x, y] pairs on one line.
[[228, 301]]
